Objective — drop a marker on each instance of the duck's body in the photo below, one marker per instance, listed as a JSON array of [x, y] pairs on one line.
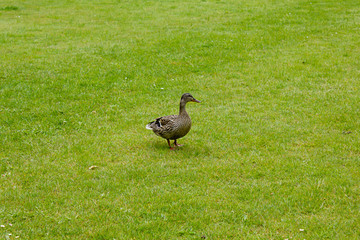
[[173, 127]]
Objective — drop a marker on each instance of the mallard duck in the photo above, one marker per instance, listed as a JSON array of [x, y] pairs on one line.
[[173, 127]]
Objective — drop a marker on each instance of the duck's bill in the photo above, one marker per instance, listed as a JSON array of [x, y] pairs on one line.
[[196, 101]]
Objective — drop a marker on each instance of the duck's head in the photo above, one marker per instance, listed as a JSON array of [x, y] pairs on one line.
[[187, 97]]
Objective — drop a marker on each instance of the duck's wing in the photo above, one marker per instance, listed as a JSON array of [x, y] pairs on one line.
[[165, 122]]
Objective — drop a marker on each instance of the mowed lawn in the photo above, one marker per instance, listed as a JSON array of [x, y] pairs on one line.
[[274, 149]]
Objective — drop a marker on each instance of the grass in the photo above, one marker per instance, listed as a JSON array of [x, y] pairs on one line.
[[274, 148]]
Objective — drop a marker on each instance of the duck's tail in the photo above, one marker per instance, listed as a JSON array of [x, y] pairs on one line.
[[148, 126]]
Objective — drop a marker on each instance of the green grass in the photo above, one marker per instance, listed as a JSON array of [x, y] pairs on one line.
[[274, 148]]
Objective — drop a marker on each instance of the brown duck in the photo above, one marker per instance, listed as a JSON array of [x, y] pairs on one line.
[[173, 127]]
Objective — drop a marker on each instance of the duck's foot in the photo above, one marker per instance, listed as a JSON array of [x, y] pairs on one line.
[[178, 145], [171, 148]]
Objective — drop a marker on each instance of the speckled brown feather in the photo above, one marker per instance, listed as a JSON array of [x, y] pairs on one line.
[[172, 127]]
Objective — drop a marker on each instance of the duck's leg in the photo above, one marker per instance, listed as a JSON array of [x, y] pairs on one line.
[[171, 148], [177, 145]]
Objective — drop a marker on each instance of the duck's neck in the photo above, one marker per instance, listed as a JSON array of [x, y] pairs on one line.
[[182, 111]]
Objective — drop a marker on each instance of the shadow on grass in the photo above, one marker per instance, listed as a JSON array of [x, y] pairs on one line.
[[187, 150]]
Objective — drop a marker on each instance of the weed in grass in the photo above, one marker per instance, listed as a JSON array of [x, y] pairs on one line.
[[9, 8]]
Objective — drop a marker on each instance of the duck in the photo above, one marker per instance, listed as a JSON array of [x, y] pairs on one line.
[[173, 127]]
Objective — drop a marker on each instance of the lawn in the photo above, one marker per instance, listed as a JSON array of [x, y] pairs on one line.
[[274, 150]]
